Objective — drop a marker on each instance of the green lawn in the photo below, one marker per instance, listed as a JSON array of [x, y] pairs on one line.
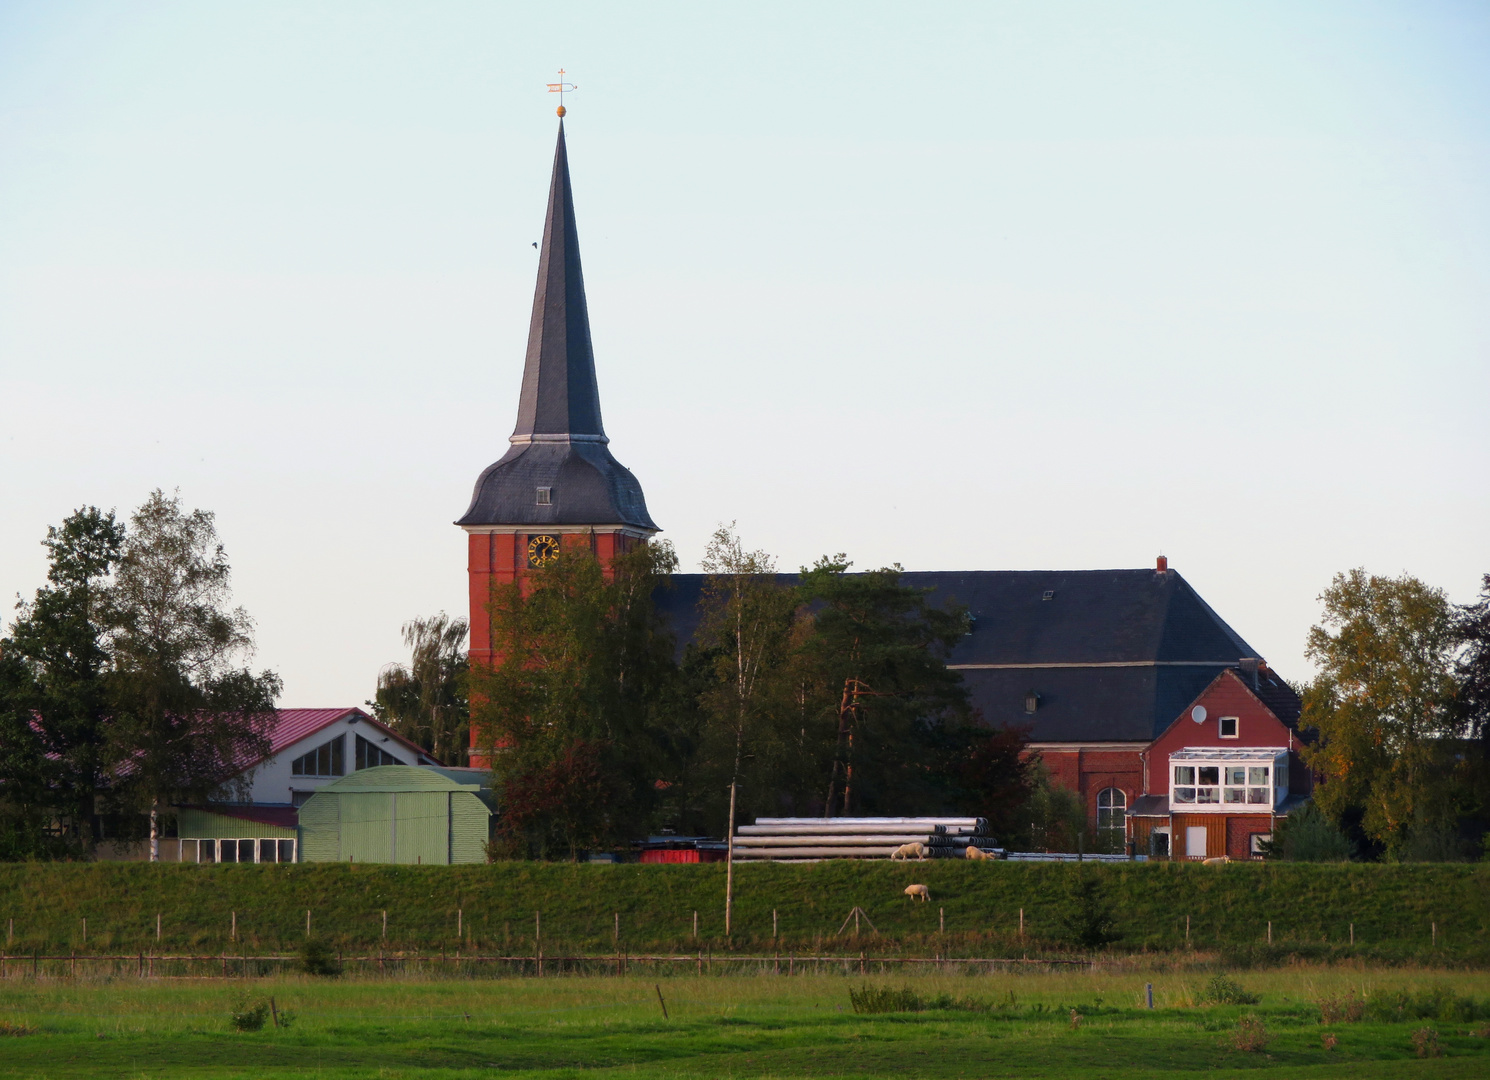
[[742, 1026]]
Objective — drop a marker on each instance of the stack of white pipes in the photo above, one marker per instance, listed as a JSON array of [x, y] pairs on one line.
[[855, 838]]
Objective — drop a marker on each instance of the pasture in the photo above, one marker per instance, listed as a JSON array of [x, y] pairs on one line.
[[1383, 1023]]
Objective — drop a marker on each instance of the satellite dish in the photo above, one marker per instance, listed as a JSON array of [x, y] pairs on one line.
[[1198, 714]]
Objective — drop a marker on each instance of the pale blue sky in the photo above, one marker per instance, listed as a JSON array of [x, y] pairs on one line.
[[963, 286]]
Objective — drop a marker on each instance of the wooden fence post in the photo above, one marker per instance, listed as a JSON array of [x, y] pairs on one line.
[[157, 926], [1021, 922], [774, 934], [1187, 931], [233, 930], [695, 926], [1270, 931], [1352, 933], [385, 924], [941, 915], [307, 922]]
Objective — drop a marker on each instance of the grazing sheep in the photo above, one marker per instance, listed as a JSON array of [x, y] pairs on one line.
[[922, 891], [977, 854], [1217, 860], [914, 849]]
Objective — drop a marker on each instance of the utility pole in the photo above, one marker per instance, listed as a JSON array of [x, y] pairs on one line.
[[729, 864]]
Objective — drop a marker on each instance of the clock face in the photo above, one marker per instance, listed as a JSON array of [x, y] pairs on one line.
[[541, 549]]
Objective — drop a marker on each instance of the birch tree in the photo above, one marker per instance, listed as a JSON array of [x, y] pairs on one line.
[[426, 702], [187, 716]]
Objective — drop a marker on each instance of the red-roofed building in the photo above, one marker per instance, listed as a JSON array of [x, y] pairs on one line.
[[310, 748]]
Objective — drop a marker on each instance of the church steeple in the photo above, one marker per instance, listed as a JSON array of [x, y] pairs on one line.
[[560, 399], [558, 474]]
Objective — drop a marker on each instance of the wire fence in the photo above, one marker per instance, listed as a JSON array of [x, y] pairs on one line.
[[144, 965]]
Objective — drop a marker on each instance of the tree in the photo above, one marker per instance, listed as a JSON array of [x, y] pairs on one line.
[[1054, 815], [1472, 704], [874, 665], [737, 667], [426, 701], [57, 685], [570, 710], [1381, 705], [1472, 710], [186, 717], [989, 775]]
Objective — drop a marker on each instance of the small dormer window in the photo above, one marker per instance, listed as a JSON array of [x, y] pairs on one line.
[[1031, 702], [1048, 594], [545, 496], [1228, 727]]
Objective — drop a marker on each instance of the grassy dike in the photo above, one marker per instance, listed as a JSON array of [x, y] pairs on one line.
[[1392, 907]]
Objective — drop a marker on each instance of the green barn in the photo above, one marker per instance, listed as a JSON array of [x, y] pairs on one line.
[[400, 814]]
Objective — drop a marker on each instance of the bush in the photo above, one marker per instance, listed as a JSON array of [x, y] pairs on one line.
[[1306, 835], [317, 958], [1223, 991], [1425, 1042], [1088, 918], [245, 1018], [881, 999], [1437, 1003], [1347, 1010], [1251, 1035]]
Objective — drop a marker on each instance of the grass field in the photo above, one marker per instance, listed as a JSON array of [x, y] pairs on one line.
[[1393, 908], [761, 1026]]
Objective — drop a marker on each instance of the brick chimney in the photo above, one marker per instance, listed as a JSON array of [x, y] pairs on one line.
[[1163, 564]]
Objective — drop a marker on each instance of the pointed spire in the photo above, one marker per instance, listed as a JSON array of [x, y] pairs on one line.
[[560, 399]]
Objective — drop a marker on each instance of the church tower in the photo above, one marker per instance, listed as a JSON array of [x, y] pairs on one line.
[[557, 488]]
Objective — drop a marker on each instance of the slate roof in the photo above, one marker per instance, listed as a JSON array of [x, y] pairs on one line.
[[1113, 655], [559, 442]]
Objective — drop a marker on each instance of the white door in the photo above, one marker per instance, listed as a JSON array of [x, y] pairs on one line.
[[1195, 841]]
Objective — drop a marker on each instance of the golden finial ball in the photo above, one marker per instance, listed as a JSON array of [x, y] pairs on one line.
[[561, 111]]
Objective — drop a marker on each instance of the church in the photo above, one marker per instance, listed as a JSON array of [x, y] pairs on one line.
[[1137, 695]]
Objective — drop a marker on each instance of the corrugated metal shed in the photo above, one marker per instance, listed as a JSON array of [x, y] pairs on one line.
[[399, 814]]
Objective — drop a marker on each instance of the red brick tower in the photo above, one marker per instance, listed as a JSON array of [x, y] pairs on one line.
[[557, 487]]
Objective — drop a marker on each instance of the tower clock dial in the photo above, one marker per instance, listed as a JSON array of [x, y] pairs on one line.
[[541, 549]]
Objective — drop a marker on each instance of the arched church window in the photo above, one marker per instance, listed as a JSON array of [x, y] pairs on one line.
[[1112, 809]]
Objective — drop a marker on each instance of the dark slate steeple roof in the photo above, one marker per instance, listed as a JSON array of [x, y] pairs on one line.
[[559, 442]]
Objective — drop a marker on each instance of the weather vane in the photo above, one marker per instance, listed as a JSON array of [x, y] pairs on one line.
[[560, 88]]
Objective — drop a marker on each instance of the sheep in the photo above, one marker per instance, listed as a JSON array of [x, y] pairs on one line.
[[914, 848], [1216, 860], [914, 891], [977, 854]]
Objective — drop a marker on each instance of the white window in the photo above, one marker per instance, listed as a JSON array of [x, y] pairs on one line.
[[1228, 725], [1255, 842], [328, 759], [370, 755], [545, 496], [1112, 809]]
